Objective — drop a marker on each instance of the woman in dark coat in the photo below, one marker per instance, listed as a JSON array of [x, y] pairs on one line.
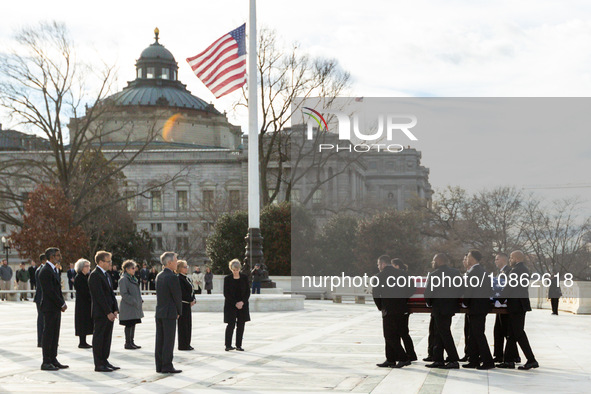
[[130, 307], [82, 313], [208, 279], [185, 321], [236, 314], [152, 278]]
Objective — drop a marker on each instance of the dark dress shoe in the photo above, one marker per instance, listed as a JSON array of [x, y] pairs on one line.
[[506, 365], [136, 346], [172, 371], [60, 366], [463, 359], [386, 364], [451, 365], [428, 358], [239, 348], [129, 346], [228, 348], [103, 368], [529, 365], [187, 348], [49, 367], [471, 365], [401, 364], [114, 368], [517, 361], [85, 346], [486, 366], [436, 364], [413, 358]]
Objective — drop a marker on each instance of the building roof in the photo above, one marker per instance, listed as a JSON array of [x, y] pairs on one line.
[[156, 83]]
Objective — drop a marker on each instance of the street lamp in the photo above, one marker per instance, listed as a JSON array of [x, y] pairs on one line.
[[6, 246]]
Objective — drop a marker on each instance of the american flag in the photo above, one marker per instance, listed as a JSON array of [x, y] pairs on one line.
[[222, 66]]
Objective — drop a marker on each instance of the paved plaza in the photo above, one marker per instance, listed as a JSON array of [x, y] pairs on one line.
[[325, 347]]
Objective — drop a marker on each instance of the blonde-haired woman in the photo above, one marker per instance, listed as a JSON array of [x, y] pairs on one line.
[[236, 314], [83, 323], [130, 308]]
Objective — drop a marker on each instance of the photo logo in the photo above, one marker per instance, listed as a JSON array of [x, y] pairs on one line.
[[315, 116], [349, 130]]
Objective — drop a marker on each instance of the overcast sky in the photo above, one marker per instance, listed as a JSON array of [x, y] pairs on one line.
[[421, 48]]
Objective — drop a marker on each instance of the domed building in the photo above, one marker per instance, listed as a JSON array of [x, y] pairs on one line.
[[156, 106]]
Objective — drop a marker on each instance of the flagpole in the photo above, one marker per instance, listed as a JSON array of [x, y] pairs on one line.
[[254, 241]]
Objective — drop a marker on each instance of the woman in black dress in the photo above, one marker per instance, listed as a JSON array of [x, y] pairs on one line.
[[236, 314], [82, 313], [185, 320]]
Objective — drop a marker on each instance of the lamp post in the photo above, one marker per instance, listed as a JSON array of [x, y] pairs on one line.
[[6, 246]]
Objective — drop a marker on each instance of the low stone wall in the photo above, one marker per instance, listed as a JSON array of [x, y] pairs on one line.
[[575, 299], [257, 303]]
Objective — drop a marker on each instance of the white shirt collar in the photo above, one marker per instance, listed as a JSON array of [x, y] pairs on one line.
[[472, 267], [50, 264], [104, 272]]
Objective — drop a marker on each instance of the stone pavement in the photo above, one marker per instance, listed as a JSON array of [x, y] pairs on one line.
[[325, 347]]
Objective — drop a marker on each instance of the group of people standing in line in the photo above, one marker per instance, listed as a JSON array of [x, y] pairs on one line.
[[97, 308], [445, 300]]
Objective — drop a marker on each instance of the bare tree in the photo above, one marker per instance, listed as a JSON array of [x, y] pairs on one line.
[[284, 77], [45, 89], [555, 235]]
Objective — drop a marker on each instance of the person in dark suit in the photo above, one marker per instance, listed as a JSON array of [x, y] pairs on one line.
[[104, 311], [83, 323], [168, 310], [501, 329], [391, 298], [185, 324], [236, 311], [37, 299], [443, 298], [52, 306], [554, 293], [477, 299], [517, 300], [409, 346]]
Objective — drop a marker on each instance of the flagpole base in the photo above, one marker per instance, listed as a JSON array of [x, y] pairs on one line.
[[254, 255]]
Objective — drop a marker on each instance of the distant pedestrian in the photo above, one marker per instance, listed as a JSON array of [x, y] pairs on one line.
[[130, 308], [152, 278], [115, 276], [554, 293], [236, 311], [197, 278], [83, 323], [22, 280], [71, 276], [144, 273], [208, 280], [32, 282], [5, 278], [257, 276]]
